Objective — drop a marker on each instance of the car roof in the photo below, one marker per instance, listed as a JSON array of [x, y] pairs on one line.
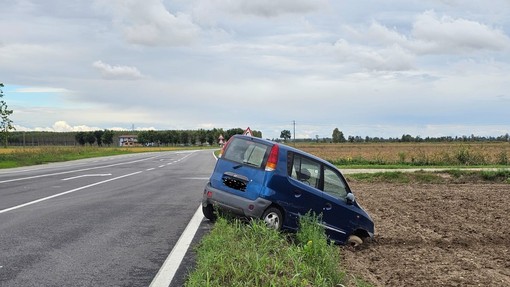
[[285, 147]]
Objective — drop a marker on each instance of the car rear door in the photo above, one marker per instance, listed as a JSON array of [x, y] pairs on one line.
[[304, 179]]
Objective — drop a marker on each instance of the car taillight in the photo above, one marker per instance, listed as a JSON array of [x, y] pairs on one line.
[[224, 148], [272, 160]]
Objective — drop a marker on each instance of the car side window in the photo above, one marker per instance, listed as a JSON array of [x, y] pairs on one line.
[[305, 170], [333, 183]]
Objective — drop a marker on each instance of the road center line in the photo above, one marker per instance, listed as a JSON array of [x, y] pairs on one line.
[[66, 192], [87, 175], [78, 170], [167, 271]]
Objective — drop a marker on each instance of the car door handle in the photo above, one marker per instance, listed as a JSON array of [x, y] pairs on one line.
[[297, 193], [328, 206]]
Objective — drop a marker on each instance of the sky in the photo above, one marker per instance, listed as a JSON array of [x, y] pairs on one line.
[[369, 68]]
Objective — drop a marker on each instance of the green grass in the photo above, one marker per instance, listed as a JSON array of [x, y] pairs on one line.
[[33, 156], [27, 157], [407, 166], [236, 253]]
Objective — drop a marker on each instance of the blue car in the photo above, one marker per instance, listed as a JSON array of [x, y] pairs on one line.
[[258, 178]]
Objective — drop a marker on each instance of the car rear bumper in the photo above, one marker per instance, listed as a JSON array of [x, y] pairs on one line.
[[233, 203]]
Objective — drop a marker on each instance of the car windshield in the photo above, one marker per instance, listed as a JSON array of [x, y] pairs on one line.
[[246, 152]]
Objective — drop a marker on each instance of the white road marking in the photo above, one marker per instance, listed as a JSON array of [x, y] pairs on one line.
[[167, 272], [66, 192], [149, 169], [87, 175], [78, 170]]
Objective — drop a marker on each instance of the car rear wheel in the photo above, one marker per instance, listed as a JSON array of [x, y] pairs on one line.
[[208, 212], [354, 241], [273, 218]]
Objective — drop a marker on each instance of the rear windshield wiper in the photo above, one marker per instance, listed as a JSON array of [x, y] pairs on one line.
[[251, 164]]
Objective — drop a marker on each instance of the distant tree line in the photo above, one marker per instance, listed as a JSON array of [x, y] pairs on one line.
[[210, 137], [98, 137], [338, 137], [409, 138], [109, 137], [188, 137]]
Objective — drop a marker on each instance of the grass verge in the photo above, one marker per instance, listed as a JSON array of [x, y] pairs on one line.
[[236, 253], [33, 156]]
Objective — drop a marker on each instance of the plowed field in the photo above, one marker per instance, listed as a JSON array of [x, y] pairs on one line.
[[434, 235]]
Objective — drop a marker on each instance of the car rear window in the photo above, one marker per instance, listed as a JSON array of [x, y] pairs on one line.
[[247, 152]]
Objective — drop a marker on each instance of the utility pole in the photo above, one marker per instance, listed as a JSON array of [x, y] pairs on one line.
[[294, 133]]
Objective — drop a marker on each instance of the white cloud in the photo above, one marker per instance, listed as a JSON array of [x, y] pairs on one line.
[[380, 48], [391, 58], [270, 8], [63, 126], [149, 23], [321, 63], [448, 35], [41, 90], [58, 126], [117, 72]]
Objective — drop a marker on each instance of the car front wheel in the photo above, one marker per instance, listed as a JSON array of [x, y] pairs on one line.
[[273, 218], [354, 241]]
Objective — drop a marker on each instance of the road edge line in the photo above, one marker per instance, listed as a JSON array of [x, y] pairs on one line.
[[167, 271]]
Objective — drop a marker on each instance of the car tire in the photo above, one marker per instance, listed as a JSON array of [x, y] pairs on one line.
[[354, 241], [273, 218], [208, 212]]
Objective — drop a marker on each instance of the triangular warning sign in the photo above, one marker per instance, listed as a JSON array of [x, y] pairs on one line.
[[247, 132]]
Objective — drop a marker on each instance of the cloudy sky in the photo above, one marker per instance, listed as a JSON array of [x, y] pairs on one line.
[[376, 68]]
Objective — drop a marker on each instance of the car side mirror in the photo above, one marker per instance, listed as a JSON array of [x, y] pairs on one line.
[[350, 198]]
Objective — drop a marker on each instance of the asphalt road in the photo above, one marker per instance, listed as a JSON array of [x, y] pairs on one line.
[[98, 222]]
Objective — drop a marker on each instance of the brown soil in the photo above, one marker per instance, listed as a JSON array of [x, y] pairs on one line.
[[434, 235]]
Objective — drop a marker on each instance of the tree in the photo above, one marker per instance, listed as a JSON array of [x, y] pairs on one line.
[[147, 137], [338, 136], [257, 134], [202, 136], [5, 123], [285, 135], [99, 137], [80, 138], [231, 132], [184, 137], [107, 137], [90, 138]]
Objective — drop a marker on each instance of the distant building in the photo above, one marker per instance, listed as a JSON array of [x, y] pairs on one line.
[[128, 140]]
